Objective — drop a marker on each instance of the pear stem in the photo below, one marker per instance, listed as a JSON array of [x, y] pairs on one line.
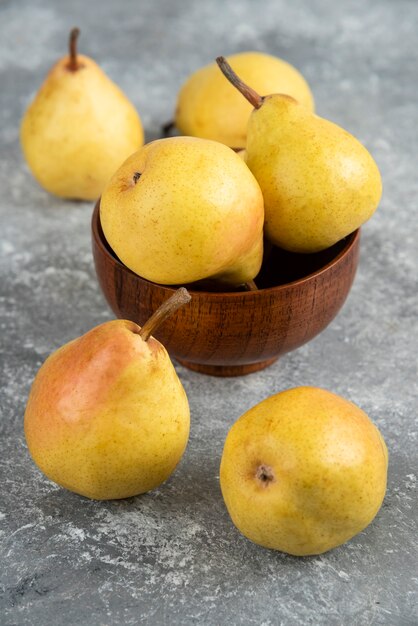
[[167, 308], [167, 128], [250, 286], [252, 96], [73, 64]]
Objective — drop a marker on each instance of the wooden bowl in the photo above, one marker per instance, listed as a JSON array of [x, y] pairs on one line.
[[238, 332]]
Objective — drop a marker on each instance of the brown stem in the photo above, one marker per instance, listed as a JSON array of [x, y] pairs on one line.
[[250, 286], [167, 308], [167, 128], [73, 64], [252, 96]]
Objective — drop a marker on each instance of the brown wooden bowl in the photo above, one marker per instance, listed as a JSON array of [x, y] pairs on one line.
[[238, 332]]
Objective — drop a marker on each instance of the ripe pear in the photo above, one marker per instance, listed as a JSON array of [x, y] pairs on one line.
[[210, 108], [319, 182], [79, 128], [303, 471], [185, 209], [107, 417]]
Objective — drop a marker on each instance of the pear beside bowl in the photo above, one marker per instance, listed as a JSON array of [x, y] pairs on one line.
[[238, 332]]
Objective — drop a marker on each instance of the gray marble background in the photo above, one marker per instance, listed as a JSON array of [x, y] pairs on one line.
[[173, 556]]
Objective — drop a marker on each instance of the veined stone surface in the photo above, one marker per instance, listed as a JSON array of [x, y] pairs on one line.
[[173, 556]]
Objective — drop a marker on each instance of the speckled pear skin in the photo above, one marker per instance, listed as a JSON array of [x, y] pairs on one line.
[[78, 130], [184, 209], [303, 471], [319, 182], [209, 107], [107, 417]]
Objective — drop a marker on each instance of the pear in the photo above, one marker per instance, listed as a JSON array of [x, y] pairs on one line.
[[208, 107], [79, 128], [303, 471], [185, 209], [319, 182], [107, 417]]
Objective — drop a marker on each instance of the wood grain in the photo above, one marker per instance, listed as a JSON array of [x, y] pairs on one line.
[[235, 333]]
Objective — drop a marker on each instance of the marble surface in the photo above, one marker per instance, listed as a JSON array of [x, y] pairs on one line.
[[173, 556]]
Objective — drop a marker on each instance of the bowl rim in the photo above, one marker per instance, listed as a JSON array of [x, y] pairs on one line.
[[351, 240]]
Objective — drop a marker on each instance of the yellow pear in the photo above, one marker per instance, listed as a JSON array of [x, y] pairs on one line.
[[79, 128], [303, 471], [209, 107], [185, 209], [319, 182], [107, 416]]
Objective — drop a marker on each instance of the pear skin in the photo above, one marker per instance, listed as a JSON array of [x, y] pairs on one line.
[[185, 209], [319, 182], [208, 107], [78, 130], [303, 471], [107, 416]]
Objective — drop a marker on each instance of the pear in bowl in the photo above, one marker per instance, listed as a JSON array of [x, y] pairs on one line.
[[182, 210]]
